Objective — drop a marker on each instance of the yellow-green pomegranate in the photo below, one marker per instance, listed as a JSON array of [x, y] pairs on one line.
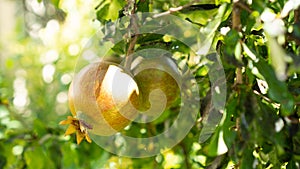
[[158, 82]]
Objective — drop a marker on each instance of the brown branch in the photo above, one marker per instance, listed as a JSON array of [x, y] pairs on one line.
[[130, 50], [239, 76], [216, 162], [297, 16], [133, 25], [186, 155], [243, 6], [290, 37], [236, 25], [266, 99], [236, 20]]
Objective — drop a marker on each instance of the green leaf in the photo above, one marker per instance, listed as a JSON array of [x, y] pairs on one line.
[[228, 124], [259, 5], [119, 48], [70, 156], [222, 1], [3, 161], [247, 159], [296, 29], [55, 3], [55, 154], [291, 165], [224, 135], [278, 90], [231, 40], [109, 10], [102, 13], [232, 49], [248, 21], [212, 148], [209, 126], [278, 58], [163, 117], [200, 17], [101, 161], [210, 29], [39, 128], [36, 158], [143, 5]]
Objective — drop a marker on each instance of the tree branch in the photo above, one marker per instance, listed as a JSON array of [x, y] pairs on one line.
[[236, 25], [172, 10], [133, 25], [266, 99], [236, 20], [216, 163], [243, 6], [297, 15], [186, 155]]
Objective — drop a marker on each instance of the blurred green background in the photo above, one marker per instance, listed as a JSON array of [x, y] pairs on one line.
[[257, 40]]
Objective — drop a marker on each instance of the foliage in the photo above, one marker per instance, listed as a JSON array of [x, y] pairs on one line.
[[258, 44]]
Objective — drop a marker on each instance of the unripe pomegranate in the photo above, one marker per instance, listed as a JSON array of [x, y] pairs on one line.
[[158, 80], [102, 99]]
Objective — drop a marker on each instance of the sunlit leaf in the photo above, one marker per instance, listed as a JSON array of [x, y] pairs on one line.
[[278, 58], [277, 89], [109, 10], [210, 29], [55, 3]]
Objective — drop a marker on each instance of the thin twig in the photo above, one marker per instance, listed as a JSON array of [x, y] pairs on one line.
[[186, 155], [216, 163], [297, 16], [241, 5], [291, 37], [172, 10], [266, 99], [133, 38], [129, 57]]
